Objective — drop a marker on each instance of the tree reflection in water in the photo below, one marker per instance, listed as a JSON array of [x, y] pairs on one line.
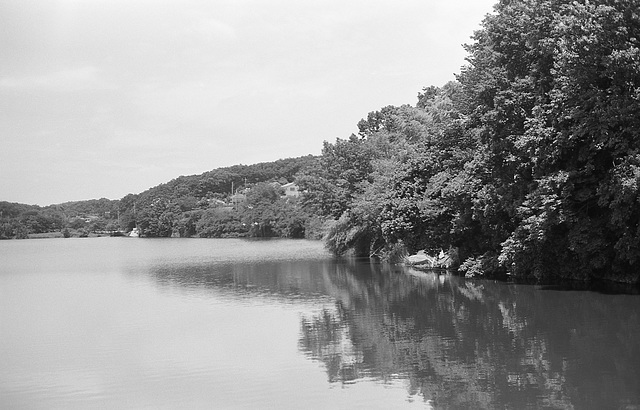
[[477, 344], [456, 343]]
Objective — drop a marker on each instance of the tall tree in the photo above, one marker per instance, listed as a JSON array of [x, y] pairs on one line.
[[556, 88]]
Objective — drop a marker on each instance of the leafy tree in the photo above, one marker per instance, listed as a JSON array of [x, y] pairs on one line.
[[291, 220], [261, 212], [388, 212], [77, 223], [156, 219], [186, 225], [220, 222], [555, 85], [528, 164]]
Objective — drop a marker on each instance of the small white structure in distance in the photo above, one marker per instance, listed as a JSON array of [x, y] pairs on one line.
[[291, 190]]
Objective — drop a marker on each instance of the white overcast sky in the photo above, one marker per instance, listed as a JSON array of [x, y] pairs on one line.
[[101, 98]]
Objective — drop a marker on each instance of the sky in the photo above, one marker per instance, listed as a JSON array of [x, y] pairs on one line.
[[102, 98]]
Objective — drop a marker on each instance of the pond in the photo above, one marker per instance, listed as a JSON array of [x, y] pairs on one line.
[[232, 324]]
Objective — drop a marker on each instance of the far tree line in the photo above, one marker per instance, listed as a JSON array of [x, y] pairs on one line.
[[188, 206]]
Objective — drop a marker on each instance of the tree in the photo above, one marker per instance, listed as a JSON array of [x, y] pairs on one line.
[[220, 222], [555, 85], [387, 213]]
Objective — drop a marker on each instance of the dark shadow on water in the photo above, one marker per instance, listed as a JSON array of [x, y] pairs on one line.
[[604, 287], [599, 286]]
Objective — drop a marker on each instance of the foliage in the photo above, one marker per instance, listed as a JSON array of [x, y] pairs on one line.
[[195, 205], [528, 164], [557, 90], [219, 223]]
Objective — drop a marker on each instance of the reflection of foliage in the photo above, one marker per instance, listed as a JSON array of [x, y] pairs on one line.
[[469, 344], [457, 343], [326, 338]]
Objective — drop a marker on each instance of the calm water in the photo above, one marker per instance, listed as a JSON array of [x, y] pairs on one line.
[[204, 323]]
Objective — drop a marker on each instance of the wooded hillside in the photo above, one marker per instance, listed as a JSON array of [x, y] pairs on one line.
[[528, 164], [173, 208]]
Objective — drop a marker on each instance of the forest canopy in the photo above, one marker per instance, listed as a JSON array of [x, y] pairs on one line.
[[528, 164]]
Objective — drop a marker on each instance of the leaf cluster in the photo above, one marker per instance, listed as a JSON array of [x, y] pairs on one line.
[[528, 164]]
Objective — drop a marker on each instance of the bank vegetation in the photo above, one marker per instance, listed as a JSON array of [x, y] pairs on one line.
[[528, 164]]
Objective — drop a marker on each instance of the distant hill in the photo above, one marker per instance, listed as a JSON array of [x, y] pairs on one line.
[[220, 181], [182, 194]]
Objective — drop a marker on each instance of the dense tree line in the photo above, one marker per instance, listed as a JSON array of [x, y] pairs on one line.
[[201, 205], [266, 213], [195, 205], [528, 164], [21, 220]]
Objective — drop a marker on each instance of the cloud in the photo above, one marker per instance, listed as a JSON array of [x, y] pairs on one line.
[[67, 80], [213, 29]]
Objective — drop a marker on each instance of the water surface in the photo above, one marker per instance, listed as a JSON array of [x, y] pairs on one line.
[[206, 323]]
